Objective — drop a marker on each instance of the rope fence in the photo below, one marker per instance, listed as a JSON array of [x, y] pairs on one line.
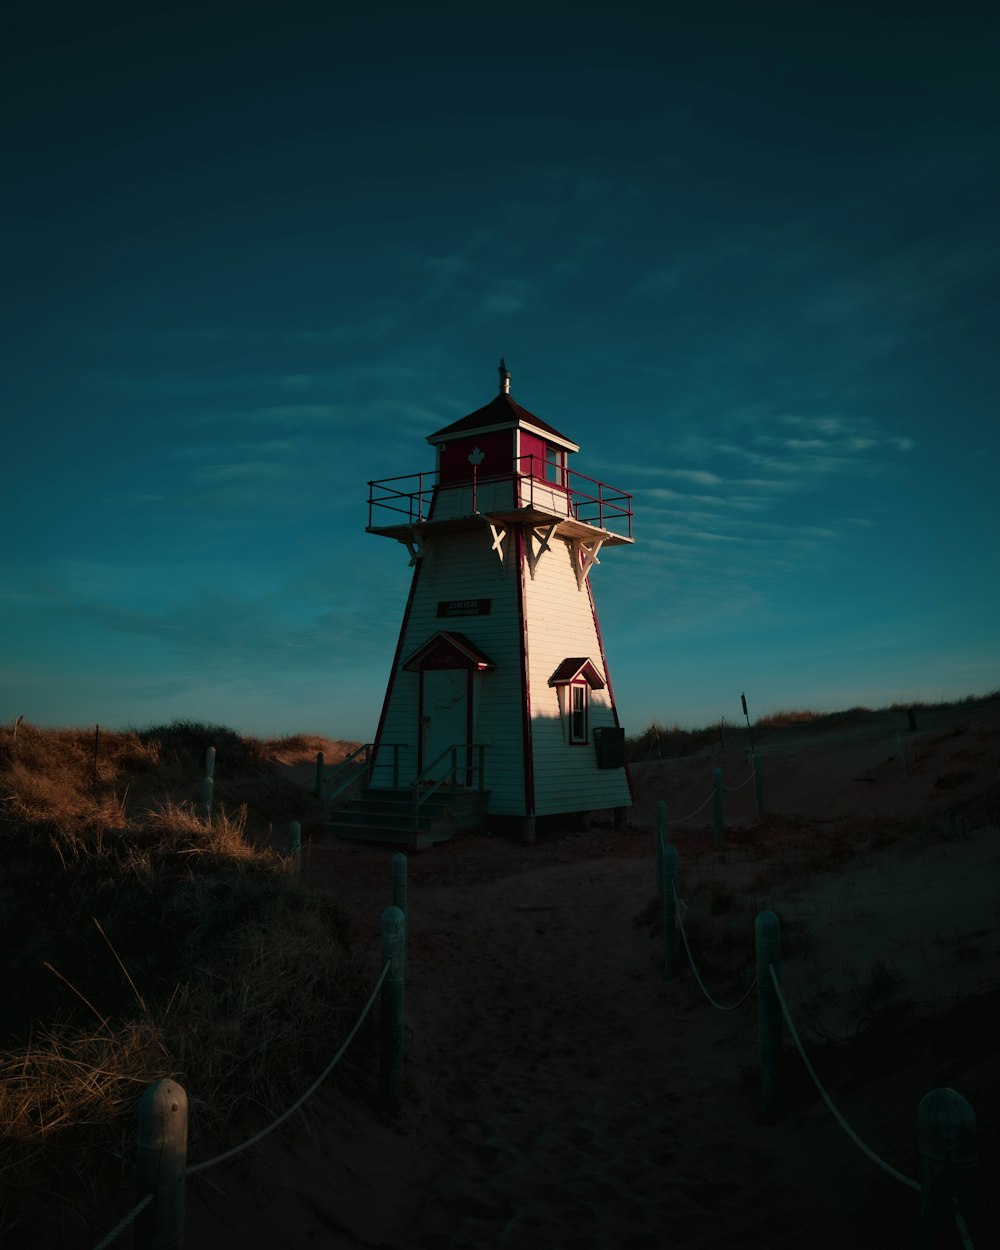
[[161, 1139], [123, 1223], [947, 1123], [252, 1141], [716, 795], [681, 909]]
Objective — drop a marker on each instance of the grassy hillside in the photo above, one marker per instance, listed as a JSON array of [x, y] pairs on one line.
[[140, 942], [658, 741]]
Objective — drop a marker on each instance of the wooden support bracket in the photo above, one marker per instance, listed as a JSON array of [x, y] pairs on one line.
[[542, 534], [585, 557], [499, 533], [415, 547]]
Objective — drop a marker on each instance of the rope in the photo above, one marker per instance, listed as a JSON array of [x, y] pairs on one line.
[[733, 789], [228, 1154], [963, 1231], [681, 907], [694, 813], [124, 1222], [826, 1097]]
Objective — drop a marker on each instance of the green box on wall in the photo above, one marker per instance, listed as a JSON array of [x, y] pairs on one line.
[[610, 745]]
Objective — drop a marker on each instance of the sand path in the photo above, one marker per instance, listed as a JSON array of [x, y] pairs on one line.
[[562, 1094]]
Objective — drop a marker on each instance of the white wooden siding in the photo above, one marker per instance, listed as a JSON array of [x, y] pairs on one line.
[[561, 624], [461, 565]]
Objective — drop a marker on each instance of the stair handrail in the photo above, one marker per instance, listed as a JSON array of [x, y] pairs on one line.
[[423, 787], [368, 750]]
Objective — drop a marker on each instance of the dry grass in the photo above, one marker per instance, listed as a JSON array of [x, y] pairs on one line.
[[657, 741], [144, 943]]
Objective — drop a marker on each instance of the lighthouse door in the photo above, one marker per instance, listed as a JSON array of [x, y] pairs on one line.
[[445, 720]]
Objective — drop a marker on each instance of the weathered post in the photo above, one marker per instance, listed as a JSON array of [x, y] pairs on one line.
[[758, 787], [391, 1011], [719, 830], [660, 838], [318, 787], [161, 1161], [210, 762], [668, 886], [948, 1163], [399, 894], [768, 942], [295, 846]]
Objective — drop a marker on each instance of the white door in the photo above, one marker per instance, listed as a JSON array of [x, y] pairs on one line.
[[445, 719]]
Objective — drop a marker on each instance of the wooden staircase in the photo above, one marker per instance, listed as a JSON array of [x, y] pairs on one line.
[[386, 816]]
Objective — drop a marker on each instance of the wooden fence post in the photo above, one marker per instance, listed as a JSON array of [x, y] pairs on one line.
[[758, 788], [161, 1161], [208, 786], [668, 882], [719, 830], [661, 839], [295, 846], [318, 788], [391, 1011], [948, 1162], [399, 896], [768, 942]]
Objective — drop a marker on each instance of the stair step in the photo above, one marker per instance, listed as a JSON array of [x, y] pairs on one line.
[[386, 816], [392, 835]]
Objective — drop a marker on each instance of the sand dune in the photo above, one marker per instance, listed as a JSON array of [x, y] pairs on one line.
[[563, 1094]]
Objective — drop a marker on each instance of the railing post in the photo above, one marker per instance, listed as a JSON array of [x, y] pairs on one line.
[[318, 788], [161, 1161], [295, 846], [719, 829], [668, 886], [399, 894], [391, 1011], [768, 942], [948, 1162], [758, 788]]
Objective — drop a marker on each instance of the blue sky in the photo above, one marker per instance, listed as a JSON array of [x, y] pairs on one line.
[[748, 256]]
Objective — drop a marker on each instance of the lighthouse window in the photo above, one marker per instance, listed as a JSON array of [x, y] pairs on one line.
[[579, 697], [555, 465]]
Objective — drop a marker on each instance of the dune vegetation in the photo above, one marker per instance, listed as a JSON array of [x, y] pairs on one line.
[[659, 741], [142, 941]]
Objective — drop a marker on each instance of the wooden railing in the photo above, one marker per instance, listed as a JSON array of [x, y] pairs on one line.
[[427, 784]]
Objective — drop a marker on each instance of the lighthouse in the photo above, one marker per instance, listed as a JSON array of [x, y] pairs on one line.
[[499, 713]]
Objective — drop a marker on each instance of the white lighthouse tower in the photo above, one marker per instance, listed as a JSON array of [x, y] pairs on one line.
[[499, 710]]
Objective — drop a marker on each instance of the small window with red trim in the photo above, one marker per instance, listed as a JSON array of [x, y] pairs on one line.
[[579, 696]]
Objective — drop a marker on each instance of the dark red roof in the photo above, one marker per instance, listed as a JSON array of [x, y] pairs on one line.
[[578, 666], [450, 640], [501, 410]]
